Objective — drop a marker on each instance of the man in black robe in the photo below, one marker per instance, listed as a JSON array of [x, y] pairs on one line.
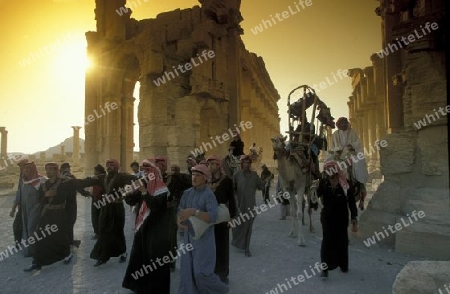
[[71, 204], [267, 177], [222, 186], [337, 198], [53, 238], [237, 145], [177, 182], [145, 272], [111, 237]]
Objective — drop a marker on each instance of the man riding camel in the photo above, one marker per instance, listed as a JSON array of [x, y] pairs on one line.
[[344, 142]]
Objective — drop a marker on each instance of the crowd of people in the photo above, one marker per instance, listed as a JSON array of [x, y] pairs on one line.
[[164, 204]]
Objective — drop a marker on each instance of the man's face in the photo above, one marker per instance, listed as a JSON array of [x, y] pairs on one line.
[[110, 168], [51, 173], [213, 167], [135, 168], [198, 179], [344, 125], [96, 172], [174, 170], [246, 165], [161, 166]]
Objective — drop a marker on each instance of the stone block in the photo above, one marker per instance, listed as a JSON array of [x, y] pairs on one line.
[[179, 30], [371, 222], [429, 237], [432, 147], [201, 38], [196, 14], [387, 198], [186, 14], [153, 63], [169, 17], [185, 48], [398, 156], [422, 277]]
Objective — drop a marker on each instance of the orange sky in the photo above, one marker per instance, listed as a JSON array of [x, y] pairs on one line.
[[42, 48]]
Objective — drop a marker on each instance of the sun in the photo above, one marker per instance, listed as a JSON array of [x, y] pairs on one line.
[[72, 59]]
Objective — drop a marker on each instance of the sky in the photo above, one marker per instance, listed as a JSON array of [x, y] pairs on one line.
[[43, 60]]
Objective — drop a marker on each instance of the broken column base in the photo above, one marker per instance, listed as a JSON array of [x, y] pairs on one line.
[[423, 277]]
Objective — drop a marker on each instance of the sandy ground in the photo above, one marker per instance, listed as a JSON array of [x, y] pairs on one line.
[[276, 257]]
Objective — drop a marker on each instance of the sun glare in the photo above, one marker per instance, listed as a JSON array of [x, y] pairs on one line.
[[72, 59]]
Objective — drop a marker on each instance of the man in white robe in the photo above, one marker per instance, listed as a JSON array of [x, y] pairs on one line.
[[345, 139]]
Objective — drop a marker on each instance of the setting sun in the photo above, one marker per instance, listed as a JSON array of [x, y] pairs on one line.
[[72, 59]]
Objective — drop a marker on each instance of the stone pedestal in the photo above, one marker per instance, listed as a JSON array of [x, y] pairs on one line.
[[423, 277]]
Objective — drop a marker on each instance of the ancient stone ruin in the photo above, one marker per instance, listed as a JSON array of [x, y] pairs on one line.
[[401, 88], [197, 81]]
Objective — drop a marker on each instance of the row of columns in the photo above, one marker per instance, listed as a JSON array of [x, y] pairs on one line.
[[367, 109], [76, 145]]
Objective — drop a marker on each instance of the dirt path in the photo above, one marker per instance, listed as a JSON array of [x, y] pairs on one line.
[[276, 259]]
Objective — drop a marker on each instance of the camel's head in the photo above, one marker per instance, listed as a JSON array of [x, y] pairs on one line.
[[278, 142]]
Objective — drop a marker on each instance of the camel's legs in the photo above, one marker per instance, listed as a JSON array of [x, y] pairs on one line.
[[294, 216], [303, 211], [311, 227], [299, 200]]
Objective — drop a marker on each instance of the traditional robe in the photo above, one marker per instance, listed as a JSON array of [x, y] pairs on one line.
[[151, 241], [17, 224], [340, 140], [111, 238], [31, 213], [245, 185], [238, 147], [335, 219], [55, 246], [71, 204], [267, 177], [177, 184], [197, 265], [223, 190]]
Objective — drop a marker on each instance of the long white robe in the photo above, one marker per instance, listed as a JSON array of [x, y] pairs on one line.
[[340, 140]]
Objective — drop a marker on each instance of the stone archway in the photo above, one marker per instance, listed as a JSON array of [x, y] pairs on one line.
[[175, 115]]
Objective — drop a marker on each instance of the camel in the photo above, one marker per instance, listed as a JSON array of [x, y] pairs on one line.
[[294, 181]]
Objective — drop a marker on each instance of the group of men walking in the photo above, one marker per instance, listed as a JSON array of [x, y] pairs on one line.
[[163, 203]]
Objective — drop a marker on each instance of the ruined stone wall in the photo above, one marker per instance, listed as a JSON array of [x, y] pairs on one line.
[[415, 162], [188, 110]]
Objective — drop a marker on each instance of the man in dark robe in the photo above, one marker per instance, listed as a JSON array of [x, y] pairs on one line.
[[337, 198], [267, 177], [71, 203], [111, 237], [53, 245], [144, 273], [97, 192], [177, 182], [222, 186], [246, 182], [237, 145]]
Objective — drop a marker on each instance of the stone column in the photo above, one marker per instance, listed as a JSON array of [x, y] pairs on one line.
[[3, 149], [42, 157], [76, 145], [63, 152]]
